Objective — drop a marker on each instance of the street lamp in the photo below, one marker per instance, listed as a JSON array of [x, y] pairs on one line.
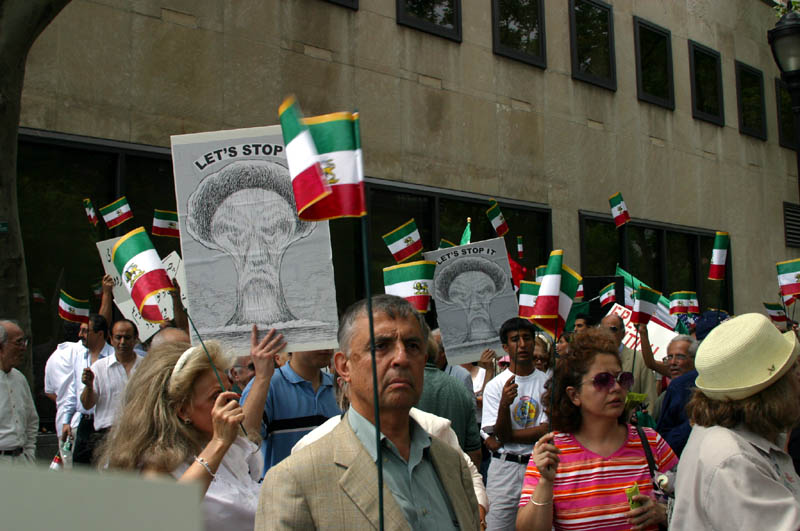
[[784, 39]]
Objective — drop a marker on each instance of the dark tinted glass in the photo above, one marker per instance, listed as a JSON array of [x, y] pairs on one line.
[[655, 60], [643, 255], [593, 44], [706, 82], [680, 262], [518, 25], [600, 243], [751, 101], [786, 127], [439, 12]]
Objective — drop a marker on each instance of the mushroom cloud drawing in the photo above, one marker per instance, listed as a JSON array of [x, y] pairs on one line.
[[471, 283], [247, 210]]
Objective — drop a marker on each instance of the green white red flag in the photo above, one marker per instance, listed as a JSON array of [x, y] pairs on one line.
[[444, 244], [308, 183], [579, 293], [719, 256], [404, 241], [539, 273], [619, 209], [662, 316], [116, 213], [165, 223], [141, 271], [496, 219], [528, 291], [556, 294], [412, 281], [520, 250], [789, 277], [683, 302], [72, 309], [788, 299], [775, 312], [338, 143], [37, 295], [90, 213], [608, 295], [645, 303]]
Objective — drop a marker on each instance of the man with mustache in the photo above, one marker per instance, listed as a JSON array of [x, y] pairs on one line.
[[673, 423], [333, 481]]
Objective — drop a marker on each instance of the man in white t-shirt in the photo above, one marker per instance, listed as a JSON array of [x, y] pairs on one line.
[[513, 417]]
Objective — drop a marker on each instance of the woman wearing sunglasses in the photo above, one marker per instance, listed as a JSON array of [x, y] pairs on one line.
[[578, 474]]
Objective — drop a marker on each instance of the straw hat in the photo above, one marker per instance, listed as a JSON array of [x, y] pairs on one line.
[[743, 356]]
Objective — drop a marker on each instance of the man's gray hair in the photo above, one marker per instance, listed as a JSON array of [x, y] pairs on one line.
[[390, 305], [693, 343], [3, 333]]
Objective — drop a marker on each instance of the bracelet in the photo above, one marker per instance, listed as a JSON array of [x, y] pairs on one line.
[[540, 504], [204, 464]]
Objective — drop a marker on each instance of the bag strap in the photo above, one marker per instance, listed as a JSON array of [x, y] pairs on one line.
[[648, 452]]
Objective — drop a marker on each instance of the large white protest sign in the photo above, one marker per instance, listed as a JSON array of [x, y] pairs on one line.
[[474, 297], [122, 298], [659, 336], [248, 257]]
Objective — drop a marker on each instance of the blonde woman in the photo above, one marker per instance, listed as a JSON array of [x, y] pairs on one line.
[[177, 420]]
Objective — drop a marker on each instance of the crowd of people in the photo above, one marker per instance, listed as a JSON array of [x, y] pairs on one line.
[[541, 436]]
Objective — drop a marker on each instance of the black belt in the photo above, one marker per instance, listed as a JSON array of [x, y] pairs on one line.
[[15, 452], [516, 458], [84, 416]]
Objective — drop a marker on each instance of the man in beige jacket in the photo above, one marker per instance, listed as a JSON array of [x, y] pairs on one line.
[[332, 484]]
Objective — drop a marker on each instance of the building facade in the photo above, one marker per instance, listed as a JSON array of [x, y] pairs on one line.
[[549, 106]]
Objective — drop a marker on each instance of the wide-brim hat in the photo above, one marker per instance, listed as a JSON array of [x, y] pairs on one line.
[[743, 356]]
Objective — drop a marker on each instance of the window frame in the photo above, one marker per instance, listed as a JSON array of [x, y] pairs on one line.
[[697, 113], [669, 102], [609, 84], [782, 140], [539, 61], [408, 20], [662, 228], [743, 129]]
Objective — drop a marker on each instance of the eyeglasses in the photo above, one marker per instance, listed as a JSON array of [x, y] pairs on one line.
[[613, 328], [604, 381], [22, 342], [676, 357]]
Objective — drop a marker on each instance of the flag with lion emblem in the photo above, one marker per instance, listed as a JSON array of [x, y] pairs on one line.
[[412, 281]]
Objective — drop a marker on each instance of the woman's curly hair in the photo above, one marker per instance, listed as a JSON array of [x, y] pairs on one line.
[[570, 371]]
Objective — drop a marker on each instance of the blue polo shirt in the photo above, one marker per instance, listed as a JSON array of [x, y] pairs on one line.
[[292, 410]]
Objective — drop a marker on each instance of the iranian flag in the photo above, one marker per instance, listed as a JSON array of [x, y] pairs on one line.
[[556, 294], [141, 272], [539, 273], [37, 295], [662, 315], [518, 272], [683, 302], [444, 244], [528, 291], [645, 303], [570, 280], [412, 281], [496, 219], [789, 277], [308, 183], [788, 300], [338, 144], [72, 309], [116, 213], [579, 293], [519, 247], [404, 241], [90, 213], [608, 295], [165, 223], [718, 256], [776, 312], [619, 210]]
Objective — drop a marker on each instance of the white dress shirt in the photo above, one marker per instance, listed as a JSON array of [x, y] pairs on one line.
[[110, 379], [81, 360], [18, 419], [58, 378]]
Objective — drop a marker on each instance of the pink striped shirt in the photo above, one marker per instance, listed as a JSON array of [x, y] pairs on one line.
[[589, 489]]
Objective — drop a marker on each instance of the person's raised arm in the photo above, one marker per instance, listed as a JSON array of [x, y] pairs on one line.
[[179, 316], [263, 353], [106, 308], [502, 428], [647, 353], [537, 514], [88, 396]]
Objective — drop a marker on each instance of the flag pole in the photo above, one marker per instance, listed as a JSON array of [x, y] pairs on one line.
[[375, 397]]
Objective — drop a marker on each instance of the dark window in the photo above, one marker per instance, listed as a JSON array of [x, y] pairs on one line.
[[440, 17], [791, 224], [750, 97], [654, 81], [352, 4], [592, 43], [787, 136], [518, 30], [706, 72], [666, 257]]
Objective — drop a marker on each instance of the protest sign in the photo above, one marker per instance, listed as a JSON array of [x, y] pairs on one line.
[[248, 258], [659, 335], [474, 297]]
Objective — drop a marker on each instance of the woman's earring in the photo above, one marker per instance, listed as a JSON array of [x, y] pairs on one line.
[[186, 421]]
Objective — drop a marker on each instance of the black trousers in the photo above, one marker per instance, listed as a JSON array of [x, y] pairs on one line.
[[85, 441]]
